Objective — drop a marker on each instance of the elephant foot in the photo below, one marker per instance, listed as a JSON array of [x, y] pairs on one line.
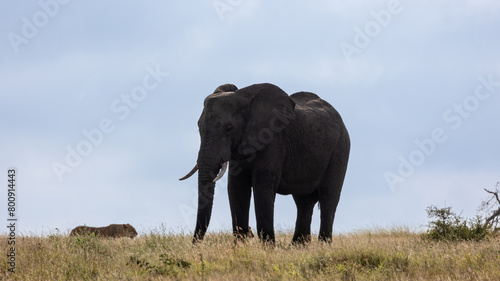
[[325, 238], [267, 240], [301, 240], [242, 235]]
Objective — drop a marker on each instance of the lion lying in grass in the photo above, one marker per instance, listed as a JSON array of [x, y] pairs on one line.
[[112, 230]]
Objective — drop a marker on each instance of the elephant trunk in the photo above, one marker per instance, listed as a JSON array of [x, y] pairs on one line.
[[206, 188], [208, 170]]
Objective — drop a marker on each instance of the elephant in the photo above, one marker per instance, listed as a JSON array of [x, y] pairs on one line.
[[274, 143], [112, 230]]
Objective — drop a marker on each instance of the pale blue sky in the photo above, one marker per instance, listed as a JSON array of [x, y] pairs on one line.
[[413, 70]]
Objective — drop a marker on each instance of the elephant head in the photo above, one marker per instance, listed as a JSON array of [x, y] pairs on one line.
[[235, 124]]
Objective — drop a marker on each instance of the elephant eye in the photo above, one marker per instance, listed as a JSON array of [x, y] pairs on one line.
[[229, 128]]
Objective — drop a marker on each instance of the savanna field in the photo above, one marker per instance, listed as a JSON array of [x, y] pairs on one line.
[[396, 254]]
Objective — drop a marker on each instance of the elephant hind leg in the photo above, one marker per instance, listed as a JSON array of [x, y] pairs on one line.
[[305, 205], [329, 193]]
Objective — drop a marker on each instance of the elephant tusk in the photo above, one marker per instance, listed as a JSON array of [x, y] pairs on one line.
[[222, 171], [190, 173]]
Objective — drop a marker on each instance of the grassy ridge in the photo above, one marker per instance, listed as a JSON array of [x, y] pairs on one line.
[[368, 255]]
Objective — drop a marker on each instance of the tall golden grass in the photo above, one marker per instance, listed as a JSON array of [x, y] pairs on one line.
[[366, 255]]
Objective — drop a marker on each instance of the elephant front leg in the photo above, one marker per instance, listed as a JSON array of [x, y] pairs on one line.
[[240, 191], [264, 197]]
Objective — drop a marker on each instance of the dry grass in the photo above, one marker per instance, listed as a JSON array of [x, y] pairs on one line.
[[367, 255]]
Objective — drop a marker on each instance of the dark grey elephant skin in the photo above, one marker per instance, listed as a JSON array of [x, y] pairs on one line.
[[274, 143]]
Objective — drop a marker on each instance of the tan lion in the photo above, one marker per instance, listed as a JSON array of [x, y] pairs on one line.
[[112, 230]]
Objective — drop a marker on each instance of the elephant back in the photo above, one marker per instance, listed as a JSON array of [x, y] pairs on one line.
[[311, 100], [307, 99]]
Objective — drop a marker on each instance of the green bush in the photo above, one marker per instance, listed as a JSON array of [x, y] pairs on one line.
[[448, 226]]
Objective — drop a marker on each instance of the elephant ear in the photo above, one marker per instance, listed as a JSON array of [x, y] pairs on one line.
[[270, 110], [226, 88]]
